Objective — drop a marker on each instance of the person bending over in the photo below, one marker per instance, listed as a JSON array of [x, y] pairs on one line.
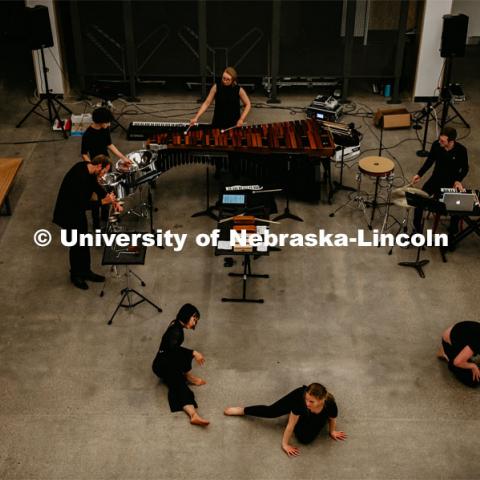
[[227, 94], [460, 342], [74, 198], [173, 364], [309, 409]]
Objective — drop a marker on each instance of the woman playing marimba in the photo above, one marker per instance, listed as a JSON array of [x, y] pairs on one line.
[[227, 94]]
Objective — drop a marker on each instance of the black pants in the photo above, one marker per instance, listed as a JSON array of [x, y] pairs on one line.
[[462, 374], [79, 256], [171, 369], [305, 430], [418, 213], [97, 208]]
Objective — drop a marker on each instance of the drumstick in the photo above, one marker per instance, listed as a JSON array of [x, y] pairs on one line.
[[223, 130], [189, 127]]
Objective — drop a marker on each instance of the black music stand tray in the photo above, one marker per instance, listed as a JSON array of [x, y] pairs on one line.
[[430, 205], [124, 257]]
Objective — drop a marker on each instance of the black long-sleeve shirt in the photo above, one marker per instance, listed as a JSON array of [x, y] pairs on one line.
[[172, 340], [449, 167], [75, 195]]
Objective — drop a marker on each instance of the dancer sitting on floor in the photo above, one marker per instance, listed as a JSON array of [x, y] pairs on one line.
[[309, 409], [173, 364], [460, 342]]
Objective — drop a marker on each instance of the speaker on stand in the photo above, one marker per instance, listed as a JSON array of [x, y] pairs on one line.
[[37, 24], [454, 39]]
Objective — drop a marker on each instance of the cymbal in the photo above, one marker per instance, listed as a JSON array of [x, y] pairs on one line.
[[399, 198]]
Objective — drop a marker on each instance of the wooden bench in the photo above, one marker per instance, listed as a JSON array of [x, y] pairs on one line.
[[9, 167]]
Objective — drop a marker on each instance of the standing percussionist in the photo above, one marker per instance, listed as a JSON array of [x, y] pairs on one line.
[[73, 200], [227, 94], [450, 162]]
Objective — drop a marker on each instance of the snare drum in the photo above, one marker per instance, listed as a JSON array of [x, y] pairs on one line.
[[376, 166]]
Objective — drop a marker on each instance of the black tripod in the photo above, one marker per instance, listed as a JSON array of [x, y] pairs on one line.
[[127, 291], [447, 100], [51, 100], [128, 256]]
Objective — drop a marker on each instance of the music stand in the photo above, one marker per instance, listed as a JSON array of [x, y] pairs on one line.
[[426, 204], [127, 257], [208, 212], [286, 213]]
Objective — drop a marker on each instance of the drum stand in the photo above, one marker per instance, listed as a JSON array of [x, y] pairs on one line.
[[374, 204], [357, 198]]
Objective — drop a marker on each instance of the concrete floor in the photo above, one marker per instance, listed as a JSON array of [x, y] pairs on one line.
[[79, 400]]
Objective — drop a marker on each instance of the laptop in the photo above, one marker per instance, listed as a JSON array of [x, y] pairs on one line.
[[459, 202]]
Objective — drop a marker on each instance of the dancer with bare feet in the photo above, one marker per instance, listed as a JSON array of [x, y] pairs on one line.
[[173, 364], [309, 409], [460, 342]]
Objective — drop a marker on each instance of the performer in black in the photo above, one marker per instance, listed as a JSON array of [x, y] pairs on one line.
[[74, 198], [460, 342], [96, 140], [309, 409], [173, 364], [227, 94], [450, 162]]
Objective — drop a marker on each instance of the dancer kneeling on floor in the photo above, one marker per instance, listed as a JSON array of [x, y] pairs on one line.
[[173, 364], [460, 342], [309, 409]]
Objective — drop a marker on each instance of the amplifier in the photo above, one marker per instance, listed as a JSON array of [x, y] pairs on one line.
[[325, 108]]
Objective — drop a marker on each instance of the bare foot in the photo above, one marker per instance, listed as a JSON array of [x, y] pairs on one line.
[[196, 419], [195, 380], [234, 411], [441, 355]]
